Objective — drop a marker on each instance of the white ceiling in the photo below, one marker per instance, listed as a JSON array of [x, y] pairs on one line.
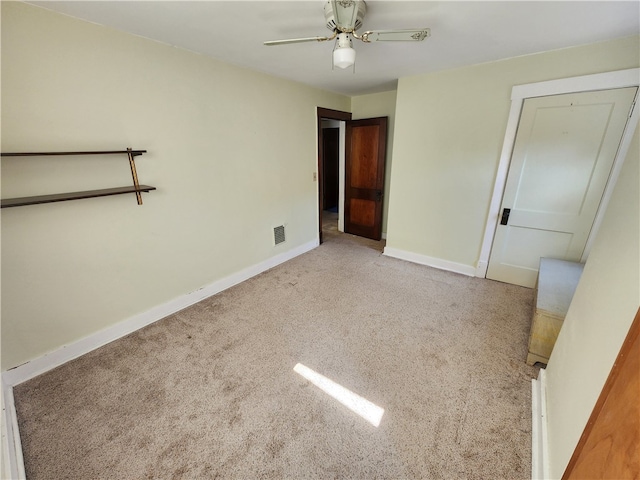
[[462, 33]]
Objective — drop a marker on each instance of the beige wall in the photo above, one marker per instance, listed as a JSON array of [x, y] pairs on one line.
[[604, 305], [379, 105], [231, 151], [449, 130]]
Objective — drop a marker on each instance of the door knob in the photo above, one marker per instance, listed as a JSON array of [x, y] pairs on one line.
[[505, 216]]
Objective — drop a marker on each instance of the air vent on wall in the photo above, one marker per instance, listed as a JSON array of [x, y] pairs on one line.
[[278, 234]]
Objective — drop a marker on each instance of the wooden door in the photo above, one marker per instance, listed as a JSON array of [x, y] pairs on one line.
[[561, 161], [364, 176], [610, 444]]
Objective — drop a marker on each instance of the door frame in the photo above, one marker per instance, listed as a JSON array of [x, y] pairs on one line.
[[519, 93], [331, 115]]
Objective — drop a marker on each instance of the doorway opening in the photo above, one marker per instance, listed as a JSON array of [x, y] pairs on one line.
[[331, 158], [332, 187], [358, 167]]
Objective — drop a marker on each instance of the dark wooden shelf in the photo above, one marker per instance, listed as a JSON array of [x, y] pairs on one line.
[[63, 197], [45, 154]]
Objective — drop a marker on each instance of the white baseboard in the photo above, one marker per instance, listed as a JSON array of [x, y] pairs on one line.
[[539, 443], [12, 460], [430, 261], [76, 349]]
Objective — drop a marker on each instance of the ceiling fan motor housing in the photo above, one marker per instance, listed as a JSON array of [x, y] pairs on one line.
[[344, 15]]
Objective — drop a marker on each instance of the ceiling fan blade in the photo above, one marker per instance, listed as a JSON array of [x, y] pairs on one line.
[[297, 40], [409, 35]]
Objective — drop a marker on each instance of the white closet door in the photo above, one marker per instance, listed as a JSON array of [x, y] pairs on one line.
[[562, 158]]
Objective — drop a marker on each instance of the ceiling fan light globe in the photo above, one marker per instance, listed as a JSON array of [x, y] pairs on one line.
[[344, 57]]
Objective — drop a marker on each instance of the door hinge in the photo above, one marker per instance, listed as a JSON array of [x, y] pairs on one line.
[[633, 105]]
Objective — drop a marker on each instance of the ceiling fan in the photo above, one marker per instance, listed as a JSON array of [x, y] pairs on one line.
[[344, 18]]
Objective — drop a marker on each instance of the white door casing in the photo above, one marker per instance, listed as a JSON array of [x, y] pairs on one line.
[[600, 81], [562, 158]]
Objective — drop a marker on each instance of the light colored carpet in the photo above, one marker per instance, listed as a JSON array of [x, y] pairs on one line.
[[210, 392]]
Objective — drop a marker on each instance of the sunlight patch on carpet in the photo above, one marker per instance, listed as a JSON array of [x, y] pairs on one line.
[[363, 407]]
